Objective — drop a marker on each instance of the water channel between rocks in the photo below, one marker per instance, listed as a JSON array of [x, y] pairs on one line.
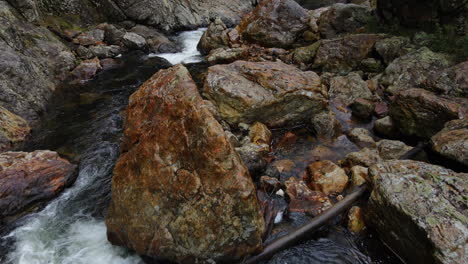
[[85, 125]]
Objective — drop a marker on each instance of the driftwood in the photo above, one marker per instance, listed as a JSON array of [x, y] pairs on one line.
[[298, 234]]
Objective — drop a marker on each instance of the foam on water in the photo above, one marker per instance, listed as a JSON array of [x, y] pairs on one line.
[[71, 228], [189, 53]]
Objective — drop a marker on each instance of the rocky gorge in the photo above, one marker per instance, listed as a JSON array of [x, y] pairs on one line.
[[211, 145]]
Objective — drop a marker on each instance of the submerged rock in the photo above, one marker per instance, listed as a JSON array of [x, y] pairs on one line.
[[29, 178], [13, 130], [452, 141], [275, 23], [273, 93], [419, 210], [418, 112], [304, 200], [179, 183]]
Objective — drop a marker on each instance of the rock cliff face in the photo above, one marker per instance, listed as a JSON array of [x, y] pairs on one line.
[[31, 62], [179, 190]]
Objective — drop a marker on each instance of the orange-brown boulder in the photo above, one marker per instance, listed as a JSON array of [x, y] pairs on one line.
[[179, 189]]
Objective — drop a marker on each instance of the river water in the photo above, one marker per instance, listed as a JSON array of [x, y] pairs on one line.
[[86, 125]]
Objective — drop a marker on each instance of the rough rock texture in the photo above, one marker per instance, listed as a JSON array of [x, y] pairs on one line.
[[275, 23], [418, 112], [326, 177], [182, 14], [304, 200], [326, 125], [29, 178], [386, 127], [214, 37], [13, 130], [452, 141], [366, 157], [179, 182], [392, 149], [273, 93], [346, 89], [31, 62], [392, 48], [452, 81], [343, 18], [419, 210], [359, 175], [133, 41], [87, 69], [345, 53], [413, 70], [362, 138]]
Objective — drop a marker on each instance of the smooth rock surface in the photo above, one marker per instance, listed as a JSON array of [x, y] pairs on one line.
[[179, 182], [29, 178]]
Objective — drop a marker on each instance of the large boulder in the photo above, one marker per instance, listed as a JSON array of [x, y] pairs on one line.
[[413, 70], [29, 178], [421, 113], [345, 53], [179, 183], [273, 93], [419, 210], [452, 81], [13, 130], [452, 141], [275, 23], [214, 37], [343, 18], [32, 63]]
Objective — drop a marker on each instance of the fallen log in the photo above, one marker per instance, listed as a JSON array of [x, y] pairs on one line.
[[295, 236]]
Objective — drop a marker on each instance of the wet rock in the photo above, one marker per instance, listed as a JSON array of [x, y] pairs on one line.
[[87, 69], [394, 47], [133, 41], [92, 37], [273, 93], [363, 108], [281, 169], [275, 23], [326, 177], [260, 134], [343, 19], [103, 51], [254, 156], [156, 41], [113, 35], [386, 127], [346, 89], [322, 153], [356, 219], [270, 184], [366, 157], [214, 37], [326, 125], [345, 53], [413, 70], [381, 109], [179, 182], [362, 138], [452, 141], [13, 130], [419, 210], [303, 199], [359, 175], [29, 178], [418, 112], [452, 81], [109, 63], [392, 149], [227, 55]]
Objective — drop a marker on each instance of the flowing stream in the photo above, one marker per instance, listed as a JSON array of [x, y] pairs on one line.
[[86, 125]]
